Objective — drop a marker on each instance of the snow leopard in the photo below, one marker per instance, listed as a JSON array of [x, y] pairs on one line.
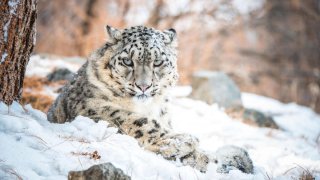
[[126, 82]]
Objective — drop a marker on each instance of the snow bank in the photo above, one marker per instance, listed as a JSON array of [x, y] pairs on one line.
[[36, 149], [298, 120]]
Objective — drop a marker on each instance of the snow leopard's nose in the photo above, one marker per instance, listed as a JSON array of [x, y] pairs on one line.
[[143, 87]]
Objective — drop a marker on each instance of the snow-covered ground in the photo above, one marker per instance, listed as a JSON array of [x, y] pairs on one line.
[[33, 148]]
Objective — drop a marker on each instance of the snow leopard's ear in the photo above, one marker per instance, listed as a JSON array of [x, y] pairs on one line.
[[170, 37], [114, 34]]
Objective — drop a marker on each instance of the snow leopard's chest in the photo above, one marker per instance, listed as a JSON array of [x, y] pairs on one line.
[[147, 108], [151, 108]]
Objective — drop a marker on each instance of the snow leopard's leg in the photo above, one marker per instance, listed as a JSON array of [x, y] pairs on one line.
[[56, 112], [153, 136], [197, 159]]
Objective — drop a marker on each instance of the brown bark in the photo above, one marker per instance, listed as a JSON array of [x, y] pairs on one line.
[[17, 38]]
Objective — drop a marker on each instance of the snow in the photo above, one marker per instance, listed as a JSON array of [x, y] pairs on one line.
[[218, 10], [298, 120], [42, 65], [175, 8], [3, 57], [33, 148], [5, 31], [247, 6], [139, 14], [13, 6]]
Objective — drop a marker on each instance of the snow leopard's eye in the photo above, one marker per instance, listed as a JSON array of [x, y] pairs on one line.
[[157, 63], [127, 62]]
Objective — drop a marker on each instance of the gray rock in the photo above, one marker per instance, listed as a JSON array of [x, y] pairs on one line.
[[104, 171], [215, 87], [258, 118], [252, 117], [232, 158], [60, 74]]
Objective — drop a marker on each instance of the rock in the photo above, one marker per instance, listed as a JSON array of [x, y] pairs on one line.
[[232, 158], [252, 117], [215, 87], [60, 74], [258, 118], [104, 171]]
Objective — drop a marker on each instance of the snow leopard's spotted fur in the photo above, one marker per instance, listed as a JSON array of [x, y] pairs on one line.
[[109, 87]]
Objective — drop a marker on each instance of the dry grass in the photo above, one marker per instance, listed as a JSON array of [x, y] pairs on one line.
[[268, 177], [296, 173], [94, 155], [305, 174], [11, 172], [38, 101], [34, 83], [71, 138], [14, 173], [33, 92]]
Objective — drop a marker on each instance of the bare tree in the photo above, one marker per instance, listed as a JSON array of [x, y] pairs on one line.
[[17, 39]]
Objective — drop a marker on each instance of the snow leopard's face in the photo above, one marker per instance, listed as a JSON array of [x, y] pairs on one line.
[[143, 60]]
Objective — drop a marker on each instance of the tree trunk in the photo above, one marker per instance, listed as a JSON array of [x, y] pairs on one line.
[[17, 38]]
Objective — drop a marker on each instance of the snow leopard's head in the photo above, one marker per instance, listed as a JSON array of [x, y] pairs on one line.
[[142, 60]]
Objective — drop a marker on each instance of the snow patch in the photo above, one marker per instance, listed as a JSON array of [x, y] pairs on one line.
[[175, 8], [300, 121], [140, 13], [13, 7], [13, 4], [247, 6], [49, 151], [41, 66], [3, 57], [5, 31]]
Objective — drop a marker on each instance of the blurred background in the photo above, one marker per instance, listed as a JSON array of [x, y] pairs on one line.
[[268, 47]]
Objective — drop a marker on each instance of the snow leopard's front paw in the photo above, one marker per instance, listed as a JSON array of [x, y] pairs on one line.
[[196, 159], [231, 158], [177, 145]]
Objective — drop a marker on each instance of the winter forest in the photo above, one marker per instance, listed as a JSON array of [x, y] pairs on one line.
[[160, 89]]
